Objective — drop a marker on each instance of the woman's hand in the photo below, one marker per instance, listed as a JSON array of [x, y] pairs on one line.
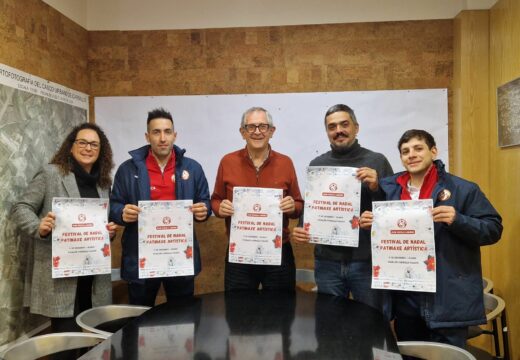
[[47, 224]]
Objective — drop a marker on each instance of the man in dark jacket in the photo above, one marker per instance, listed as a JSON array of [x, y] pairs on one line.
[[158, 171], [464, 220], [342, 270]]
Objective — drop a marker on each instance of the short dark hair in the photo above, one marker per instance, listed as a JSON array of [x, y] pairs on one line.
[[159, 113], [418, 134], [341, 107]]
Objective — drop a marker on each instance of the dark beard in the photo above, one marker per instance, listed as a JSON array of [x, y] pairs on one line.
[[343, 149]]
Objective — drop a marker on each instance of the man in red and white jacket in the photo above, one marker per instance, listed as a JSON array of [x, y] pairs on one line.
[[464, 220], [158, 171]]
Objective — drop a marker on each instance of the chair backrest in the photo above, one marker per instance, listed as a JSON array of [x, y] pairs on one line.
[[43, 345], [494, 306], [115, 275], [305, 276], [433, 350], [92, 319], [496, 316], [487, 284], [305, 280]]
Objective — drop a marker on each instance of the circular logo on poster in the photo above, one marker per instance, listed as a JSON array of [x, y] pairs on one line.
[[333, 187], [82, 217], [166, 220], [401, 223], [257, 207]]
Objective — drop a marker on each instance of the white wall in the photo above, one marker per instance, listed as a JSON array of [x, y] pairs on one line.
[[203, 14], [208, 125], [75, 10]]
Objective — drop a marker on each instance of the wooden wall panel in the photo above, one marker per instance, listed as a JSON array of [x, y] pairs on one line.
[[471, 110], [471, 93], [37, 39], [505, 163], [486, 55], [471, 103], [363, 56]]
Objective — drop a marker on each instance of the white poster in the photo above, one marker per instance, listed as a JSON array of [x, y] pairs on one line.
[[403, 246], [175, 342], [165, 238], [332, 205], [259, 347], [80, 239], [256, 226], [380, 354]]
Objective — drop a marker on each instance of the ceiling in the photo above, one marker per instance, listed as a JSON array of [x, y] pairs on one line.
[[202, 14]]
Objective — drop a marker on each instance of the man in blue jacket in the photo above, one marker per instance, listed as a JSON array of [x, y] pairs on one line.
[[158, 171], [464, 220]]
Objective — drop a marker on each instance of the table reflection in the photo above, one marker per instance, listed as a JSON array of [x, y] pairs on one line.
[[259, 324], [253, 325]]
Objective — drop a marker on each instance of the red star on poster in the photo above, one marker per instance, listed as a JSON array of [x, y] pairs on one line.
[[106, 355], [56, 261], [189, 252], [375, 270], [106, 250], [354, 223], [277, 242], [430, 263], [188, 345]]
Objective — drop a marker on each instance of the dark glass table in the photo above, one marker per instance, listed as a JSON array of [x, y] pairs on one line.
[[253, 325]]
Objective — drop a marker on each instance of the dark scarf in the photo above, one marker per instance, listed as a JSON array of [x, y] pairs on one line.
[[86, 181]]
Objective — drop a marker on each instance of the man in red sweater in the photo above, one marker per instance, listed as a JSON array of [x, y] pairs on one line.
[[257, 165]]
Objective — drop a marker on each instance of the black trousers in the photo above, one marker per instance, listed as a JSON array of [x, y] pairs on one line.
[[83, 302], [272, 277], [145, 293]]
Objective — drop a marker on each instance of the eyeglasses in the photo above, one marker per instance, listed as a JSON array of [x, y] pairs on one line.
[[94, 145], [251, 128]]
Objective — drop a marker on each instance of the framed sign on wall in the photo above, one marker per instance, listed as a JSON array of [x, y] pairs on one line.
[[508, 118]]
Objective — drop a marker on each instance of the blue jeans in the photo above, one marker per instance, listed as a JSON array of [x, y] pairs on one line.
[[342, 278]]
